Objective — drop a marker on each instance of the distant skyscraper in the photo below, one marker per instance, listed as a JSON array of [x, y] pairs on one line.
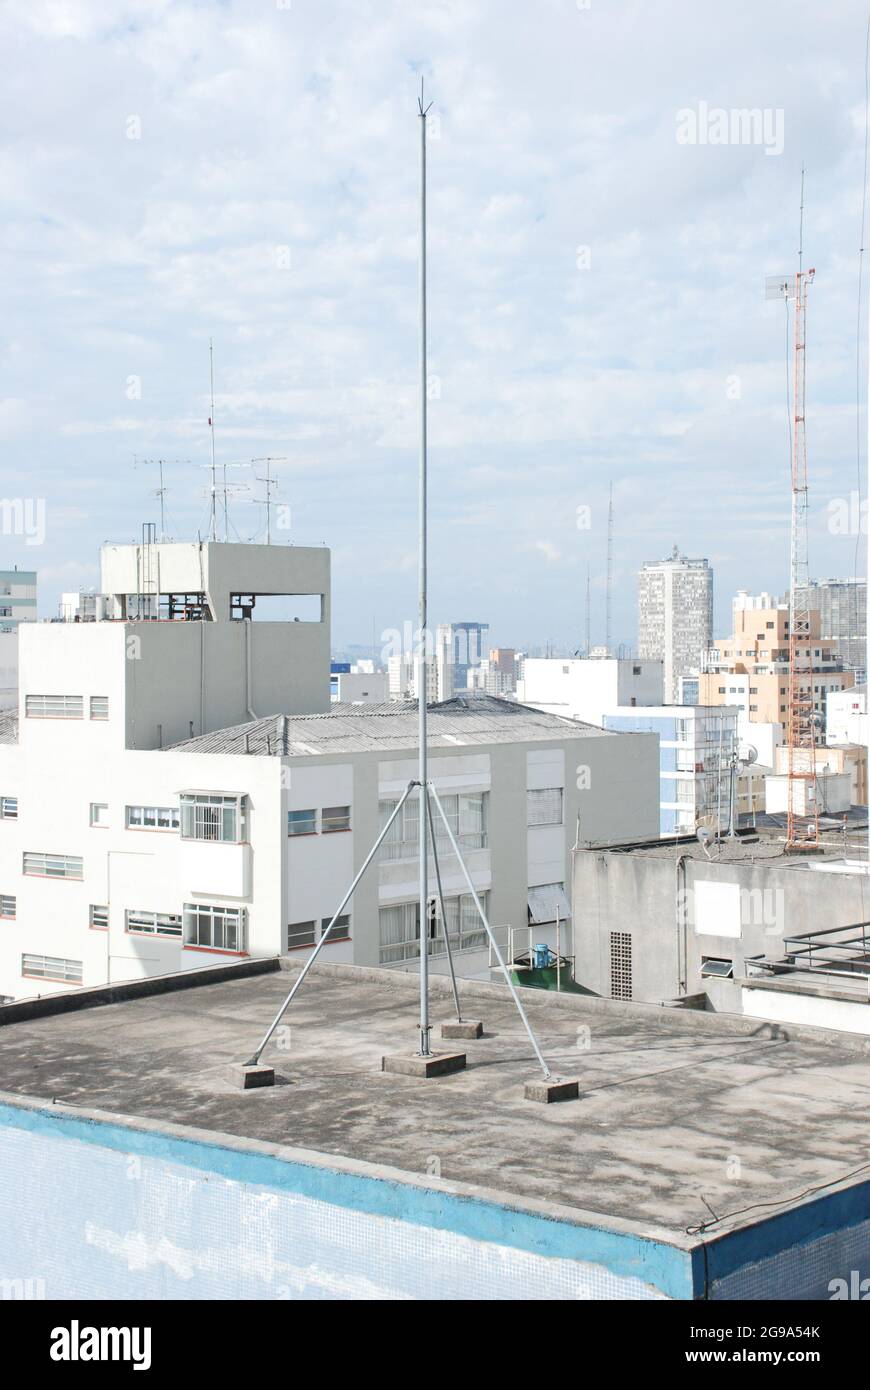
[[466, 647], [675, 616], [842, 609]]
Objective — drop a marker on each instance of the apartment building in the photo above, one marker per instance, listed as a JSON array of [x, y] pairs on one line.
[[157, 814], [695, 745], [17, 598], [675, 616], [695, 742], [750, 668], [842, 608]]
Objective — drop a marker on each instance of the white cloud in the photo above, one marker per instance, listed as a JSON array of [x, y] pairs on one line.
[[270, 203]]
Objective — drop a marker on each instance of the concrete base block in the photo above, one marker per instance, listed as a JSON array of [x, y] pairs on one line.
[[468, 1028], [554, 1089], [439, 1064], [247, 1078]]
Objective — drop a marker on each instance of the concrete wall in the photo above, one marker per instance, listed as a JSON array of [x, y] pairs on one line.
[[679, 911], [91, 1208], [218, 570], [166, 681], [96, 1211], [8, 670]]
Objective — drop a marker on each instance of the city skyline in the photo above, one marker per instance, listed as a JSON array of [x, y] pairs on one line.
[[590, 321]]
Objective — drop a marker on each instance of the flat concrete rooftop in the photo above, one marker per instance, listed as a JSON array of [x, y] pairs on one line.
[[670, 1100], [749, 847]]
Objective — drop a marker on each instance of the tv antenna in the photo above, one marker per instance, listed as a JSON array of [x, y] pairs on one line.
[[161, 491], [225, 491], [427, 1063], [738, 760], [270, 484]]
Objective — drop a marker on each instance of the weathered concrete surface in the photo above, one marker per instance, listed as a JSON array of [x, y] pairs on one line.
[[677, 1110], [411, 1064], [249, 1076], [468, 1028], [552, 1090]]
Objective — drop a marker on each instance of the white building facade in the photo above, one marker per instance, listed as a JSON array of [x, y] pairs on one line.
[[143, 832], [587, 688]]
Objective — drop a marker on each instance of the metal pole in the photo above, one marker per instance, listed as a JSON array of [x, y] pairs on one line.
[[732, 833], [444, 914], [211, 425], [504, 970], [255, 1058], [422, 664]]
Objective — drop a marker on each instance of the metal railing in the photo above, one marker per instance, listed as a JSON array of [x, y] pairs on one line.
[[841, 953]]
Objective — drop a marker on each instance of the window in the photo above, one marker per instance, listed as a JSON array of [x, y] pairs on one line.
[[545, 807], [300, 934], [52, 865], [341, 930], [467, 814], [400, 929], [53, 706], [334, 818], [8, 807], [302, 822], [724, 969], [99, 814], [620, 965], [207, 817], [152, 923], [99, 706], [7, 907], [52, 968], [98, 917], [152, 817], [217, 928]]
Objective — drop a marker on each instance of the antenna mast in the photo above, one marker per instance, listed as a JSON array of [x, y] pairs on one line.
[[270, 483], [213, 523], [803, 808], [608, 601], [422, 664], [162, 490], [588, 610]]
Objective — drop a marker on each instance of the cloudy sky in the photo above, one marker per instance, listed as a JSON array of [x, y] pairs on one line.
[[247, 171]]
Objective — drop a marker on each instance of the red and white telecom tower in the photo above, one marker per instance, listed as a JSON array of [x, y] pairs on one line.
[[803, 810]]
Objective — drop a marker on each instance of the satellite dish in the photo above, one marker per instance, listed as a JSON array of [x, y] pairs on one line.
[[704, 836], [749, 754]]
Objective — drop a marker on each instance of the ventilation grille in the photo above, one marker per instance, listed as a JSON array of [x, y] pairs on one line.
[[620, 965]]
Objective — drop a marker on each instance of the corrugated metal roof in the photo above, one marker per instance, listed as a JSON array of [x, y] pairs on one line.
[[461, 722]]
